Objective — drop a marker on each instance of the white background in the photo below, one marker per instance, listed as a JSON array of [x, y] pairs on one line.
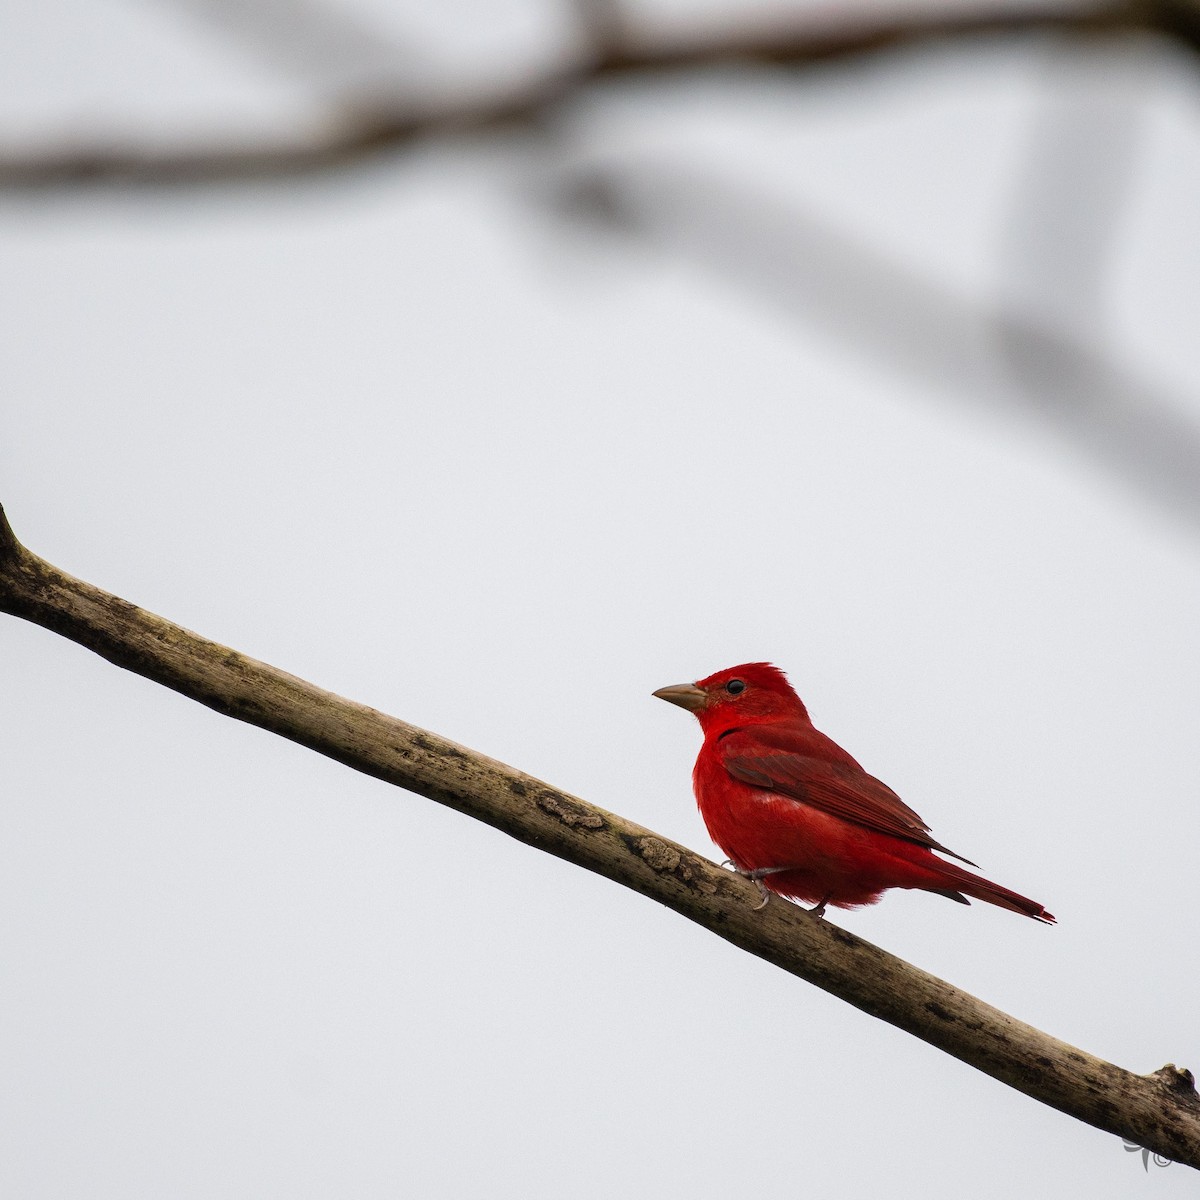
[[412, 435]]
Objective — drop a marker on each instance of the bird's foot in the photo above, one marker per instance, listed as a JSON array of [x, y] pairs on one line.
[[756, 877], [818, 910]]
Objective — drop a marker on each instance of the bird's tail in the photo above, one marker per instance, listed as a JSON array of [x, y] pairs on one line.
[[984, 889]]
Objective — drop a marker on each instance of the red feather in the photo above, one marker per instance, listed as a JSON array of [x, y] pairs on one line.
[[775, 793]]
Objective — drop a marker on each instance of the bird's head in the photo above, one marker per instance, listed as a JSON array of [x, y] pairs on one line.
[[751, 694]]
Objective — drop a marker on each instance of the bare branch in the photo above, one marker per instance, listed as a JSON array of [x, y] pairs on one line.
[[1160, 1111], [366, 129]]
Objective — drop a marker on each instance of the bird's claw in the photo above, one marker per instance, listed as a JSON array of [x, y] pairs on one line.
[[756, 877]]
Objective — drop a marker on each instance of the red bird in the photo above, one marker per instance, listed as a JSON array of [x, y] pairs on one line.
[[796, 814]]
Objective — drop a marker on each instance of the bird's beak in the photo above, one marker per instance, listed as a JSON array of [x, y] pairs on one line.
[[686, 695]]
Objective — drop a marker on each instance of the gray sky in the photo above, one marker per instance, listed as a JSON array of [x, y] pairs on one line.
[[414, 437]]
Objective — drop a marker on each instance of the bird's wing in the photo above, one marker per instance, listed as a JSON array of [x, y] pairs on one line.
[[842, 790]]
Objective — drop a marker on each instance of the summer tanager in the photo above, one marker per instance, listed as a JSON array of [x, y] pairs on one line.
[[796, 814]]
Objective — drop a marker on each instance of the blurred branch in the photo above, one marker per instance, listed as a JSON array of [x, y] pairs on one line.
[[1073, 189], [944, 342], [1054, 264], [1160, 1111], [364, 127], [604, 25], [324, 45]]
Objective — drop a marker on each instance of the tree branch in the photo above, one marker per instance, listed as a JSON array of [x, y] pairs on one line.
[[1160, 1111], [362, 131]]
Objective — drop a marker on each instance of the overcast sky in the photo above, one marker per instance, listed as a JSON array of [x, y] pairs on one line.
[[418, 436]]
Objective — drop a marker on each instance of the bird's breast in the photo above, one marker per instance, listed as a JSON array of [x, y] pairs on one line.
[[759, 828]]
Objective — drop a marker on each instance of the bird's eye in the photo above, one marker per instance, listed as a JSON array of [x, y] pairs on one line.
[[735, 687]]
